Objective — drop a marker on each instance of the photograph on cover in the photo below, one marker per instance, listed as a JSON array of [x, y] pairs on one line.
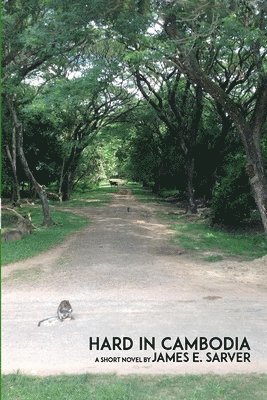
[[134, 199]]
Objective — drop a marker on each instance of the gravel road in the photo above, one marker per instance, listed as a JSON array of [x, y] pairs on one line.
[[124, 278]]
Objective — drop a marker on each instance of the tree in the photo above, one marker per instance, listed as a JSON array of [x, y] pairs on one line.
[[39, 44], [145, 147], [243, 28], [81, 107], [191, 35], [179, 105], [10, 145]]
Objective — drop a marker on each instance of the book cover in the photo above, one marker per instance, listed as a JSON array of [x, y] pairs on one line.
[[134, 200]]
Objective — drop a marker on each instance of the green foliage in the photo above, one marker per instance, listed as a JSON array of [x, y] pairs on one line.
[[144, 195], [112, 387], [30, 30], [90, 171], [153, 160], [152, 153], [113, 144], [232, 201], [8, 219], [42, 238], [87, 57]]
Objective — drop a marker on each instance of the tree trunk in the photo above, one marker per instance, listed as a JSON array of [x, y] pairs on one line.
[[249, 131], [259, 187], [145, 184], [257, 178], [70, 168], [13, 161], [47, 221], [156, 186], [189, 173], [61, 181], [191, 138], [66, 187], [41, 193]]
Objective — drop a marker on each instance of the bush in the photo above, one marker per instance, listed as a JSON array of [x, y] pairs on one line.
[[232, 201]]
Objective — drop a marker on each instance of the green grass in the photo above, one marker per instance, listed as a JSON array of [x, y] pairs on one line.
[[42, 238], [213, 258], [197, 236], [111, 387], [98, 197], [209, 243]]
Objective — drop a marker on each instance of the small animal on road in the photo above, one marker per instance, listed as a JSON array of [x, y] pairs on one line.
[[64, 311]]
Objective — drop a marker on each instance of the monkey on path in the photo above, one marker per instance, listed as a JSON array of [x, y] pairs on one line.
[[64, 311]]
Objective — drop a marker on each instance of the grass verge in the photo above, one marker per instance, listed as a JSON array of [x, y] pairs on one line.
[[98, 197], [144, 195], [45, 238], [42, 238], [209, 243], [112, 387], [213, 244]]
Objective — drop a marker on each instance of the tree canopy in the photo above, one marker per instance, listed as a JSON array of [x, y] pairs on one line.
[[169, 93]]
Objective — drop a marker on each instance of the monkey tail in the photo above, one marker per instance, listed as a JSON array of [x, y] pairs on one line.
[[39, 323], [46, 319]]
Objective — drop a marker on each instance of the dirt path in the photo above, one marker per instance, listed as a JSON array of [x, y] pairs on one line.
[[124, 278]]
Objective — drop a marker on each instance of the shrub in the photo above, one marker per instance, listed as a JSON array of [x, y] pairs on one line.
[[232, 201]]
